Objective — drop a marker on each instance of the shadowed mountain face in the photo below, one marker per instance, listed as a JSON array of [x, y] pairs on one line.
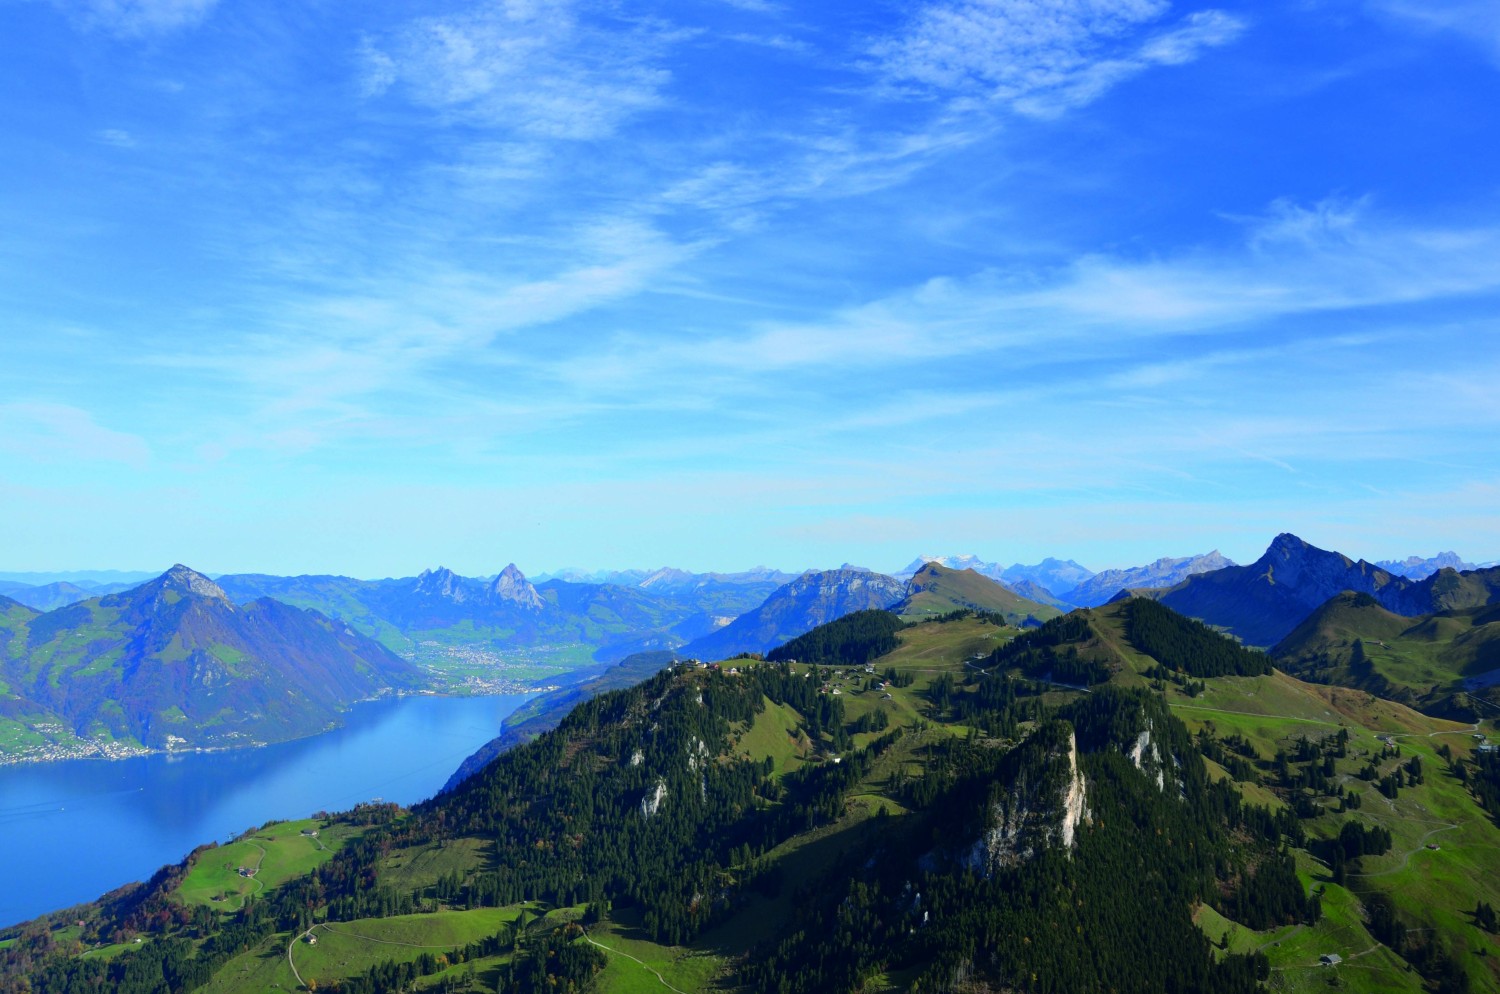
[[1263, 602], [176, 662], [810, 600]]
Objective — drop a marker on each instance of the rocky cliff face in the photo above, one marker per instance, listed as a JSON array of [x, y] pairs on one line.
[[444, 584], [511, 588], [1043, 806]]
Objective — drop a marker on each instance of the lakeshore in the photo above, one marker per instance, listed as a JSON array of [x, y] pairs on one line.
[[76, 828]]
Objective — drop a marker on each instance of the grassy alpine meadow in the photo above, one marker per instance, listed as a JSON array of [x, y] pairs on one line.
[[269, 856], [348, 949], [775, 732], [258, 971], [419, 869], [1445, 853], [639, 966]]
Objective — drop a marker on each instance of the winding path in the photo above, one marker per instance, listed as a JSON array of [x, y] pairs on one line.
[[590, 940], [255, 877], [289, 961], [328, 926], [1406, 856]]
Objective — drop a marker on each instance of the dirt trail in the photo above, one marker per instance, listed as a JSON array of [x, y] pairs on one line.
[[590, 940], [1406, 856]]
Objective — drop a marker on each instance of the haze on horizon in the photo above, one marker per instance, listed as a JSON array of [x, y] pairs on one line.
[[299, 288]]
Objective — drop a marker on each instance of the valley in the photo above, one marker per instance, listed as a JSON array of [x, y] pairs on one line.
[[764, 789]]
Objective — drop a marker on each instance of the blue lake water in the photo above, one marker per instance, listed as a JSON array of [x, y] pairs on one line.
[[71, 831]]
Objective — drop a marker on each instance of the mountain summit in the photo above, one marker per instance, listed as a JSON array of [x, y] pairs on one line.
[[175, 663], [1263, 602], [184, 581], [512, 588]]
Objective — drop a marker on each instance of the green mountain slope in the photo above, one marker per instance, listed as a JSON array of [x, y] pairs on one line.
[[1446, 663], [950, 824], [935, 590], [174, 663]]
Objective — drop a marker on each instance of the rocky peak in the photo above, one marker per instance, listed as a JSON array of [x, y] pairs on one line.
[[512, 587], [182, 580], [1418, 568], [442, 582], [845, 581], [667, 576], [1318, 574]]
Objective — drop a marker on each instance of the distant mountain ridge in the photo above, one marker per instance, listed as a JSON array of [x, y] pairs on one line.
[[812, 599], [1418, 568], [50, 596], [1263, 602], [175, 663], [818, 597], [1165, 572], [1056, 576], [658, 610]]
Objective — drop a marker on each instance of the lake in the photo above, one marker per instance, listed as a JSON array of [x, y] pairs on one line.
[[70, 831]]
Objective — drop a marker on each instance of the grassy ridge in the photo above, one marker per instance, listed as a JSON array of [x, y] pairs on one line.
[[273, 854], [1432, 889]]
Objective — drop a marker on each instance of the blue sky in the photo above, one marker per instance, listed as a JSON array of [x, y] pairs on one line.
[[363, 288]]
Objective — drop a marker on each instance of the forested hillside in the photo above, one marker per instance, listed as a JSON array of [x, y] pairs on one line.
[[945, 815]]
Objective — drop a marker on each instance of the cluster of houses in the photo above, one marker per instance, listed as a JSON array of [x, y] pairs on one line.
[[833, 687]]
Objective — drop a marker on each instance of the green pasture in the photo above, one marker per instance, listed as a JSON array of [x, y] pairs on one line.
[[347, 949], [261, 970], [635, 963], [418, 869], [776, 732], [276, 853]]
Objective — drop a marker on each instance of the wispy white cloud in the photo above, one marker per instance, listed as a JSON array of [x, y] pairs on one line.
[[117, 137], [756, 6], [1292, 261], [49, 432], [836, 161], [137, 18], [324, 364], [781, 42], [539, 69], [1477, 20], [1042, 57]]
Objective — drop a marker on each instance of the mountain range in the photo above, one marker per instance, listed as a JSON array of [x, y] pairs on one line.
[[175, 663], [1120, 799], [1263, 602], [505, 632]]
